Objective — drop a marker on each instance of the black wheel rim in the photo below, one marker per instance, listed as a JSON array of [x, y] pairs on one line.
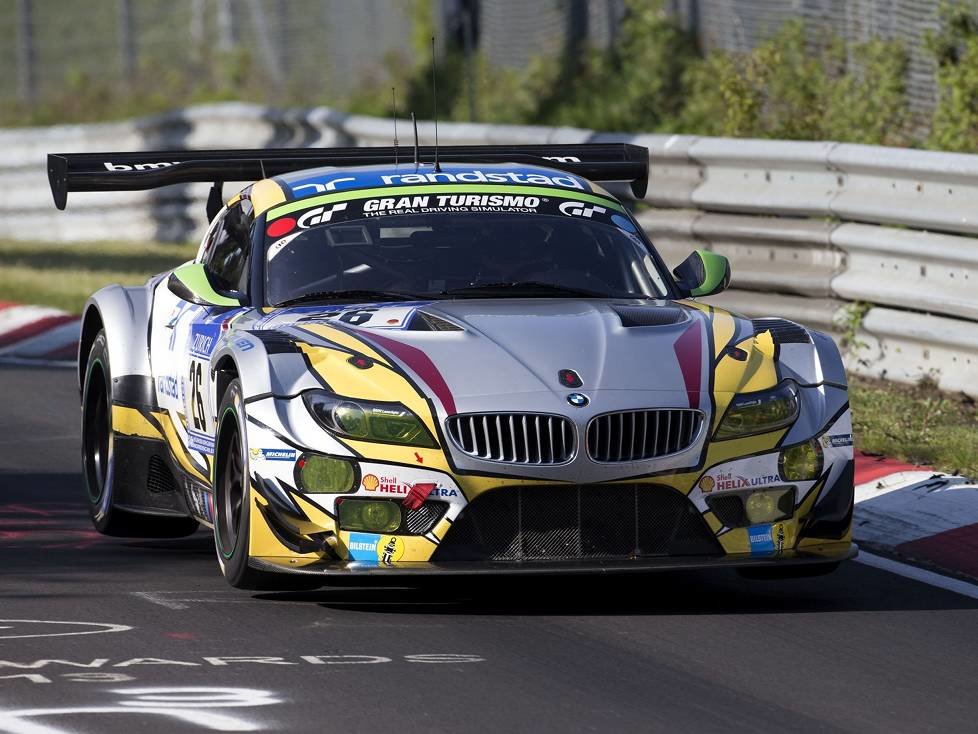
[[95, 436], [231, 497]]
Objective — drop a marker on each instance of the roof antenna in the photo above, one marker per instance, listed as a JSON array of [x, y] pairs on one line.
[[414, 121], [394, 105], [434, 101]]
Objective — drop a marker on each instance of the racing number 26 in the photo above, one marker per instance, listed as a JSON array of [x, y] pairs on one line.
[[196, 399]]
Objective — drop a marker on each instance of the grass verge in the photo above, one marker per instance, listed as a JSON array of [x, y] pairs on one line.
[[64, 276], [916, 423]]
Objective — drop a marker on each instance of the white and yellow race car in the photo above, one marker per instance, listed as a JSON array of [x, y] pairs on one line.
[[476, 365]]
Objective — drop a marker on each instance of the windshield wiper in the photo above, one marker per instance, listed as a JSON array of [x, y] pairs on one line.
[[351, 295], [526, 288]]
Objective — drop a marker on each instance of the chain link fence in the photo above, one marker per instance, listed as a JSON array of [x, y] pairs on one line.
[[320, 51]]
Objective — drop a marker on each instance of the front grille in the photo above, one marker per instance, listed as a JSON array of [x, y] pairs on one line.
[[637, 435], [516, 438], [577, 522]]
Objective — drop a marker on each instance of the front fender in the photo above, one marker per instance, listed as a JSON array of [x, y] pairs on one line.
[[124, 313]]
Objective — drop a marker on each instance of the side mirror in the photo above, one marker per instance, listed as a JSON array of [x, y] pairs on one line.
[[190, 282], [703, 273]]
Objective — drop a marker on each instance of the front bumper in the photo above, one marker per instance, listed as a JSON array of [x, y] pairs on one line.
[[828, 553]]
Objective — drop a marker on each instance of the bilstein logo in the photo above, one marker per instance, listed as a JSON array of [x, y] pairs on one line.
[[109, 166], [577, 209], [578, 400], [319, 215]]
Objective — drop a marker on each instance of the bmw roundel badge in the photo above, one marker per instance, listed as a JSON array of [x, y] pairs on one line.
[[578, 400]]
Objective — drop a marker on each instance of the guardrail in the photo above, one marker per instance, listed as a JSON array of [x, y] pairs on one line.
[[874, 242]]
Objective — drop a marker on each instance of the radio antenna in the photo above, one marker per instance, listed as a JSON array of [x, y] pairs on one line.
[[414, 121], [434, 101], [394, 105]]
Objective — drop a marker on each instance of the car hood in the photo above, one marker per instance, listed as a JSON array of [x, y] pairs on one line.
[[488, 353]]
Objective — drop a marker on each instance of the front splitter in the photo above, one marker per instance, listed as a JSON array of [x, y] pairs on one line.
[[830, 554]]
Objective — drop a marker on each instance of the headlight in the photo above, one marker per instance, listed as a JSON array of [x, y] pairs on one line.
[[760, 412], [368, 421]]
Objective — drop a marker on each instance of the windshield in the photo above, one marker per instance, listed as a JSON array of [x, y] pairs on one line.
[[382, 249]]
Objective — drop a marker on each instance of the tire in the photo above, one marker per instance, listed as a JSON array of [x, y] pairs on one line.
[[774, 573], [99, 456], [232, 505]]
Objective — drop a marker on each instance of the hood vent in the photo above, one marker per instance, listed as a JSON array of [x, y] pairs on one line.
[[782, 331], [423, 321], [275, 342], [649, 315]]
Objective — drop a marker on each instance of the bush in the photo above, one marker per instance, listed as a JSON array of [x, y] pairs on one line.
[[955, 49]]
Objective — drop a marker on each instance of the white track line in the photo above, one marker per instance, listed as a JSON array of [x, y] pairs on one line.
[[919, 574]]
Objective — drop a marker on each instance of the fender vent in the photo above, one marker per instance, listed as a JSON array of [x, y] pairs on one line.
[[649, 315], [782, 331], [159, 478], [275, 342]]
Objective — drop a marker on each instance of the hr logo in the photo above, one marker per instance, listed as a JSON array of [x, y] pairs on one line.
[[319, 188], [577, 209]]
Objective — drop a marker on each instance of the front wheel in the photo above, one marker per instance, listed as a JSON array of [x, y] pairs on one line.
[[232, 502]]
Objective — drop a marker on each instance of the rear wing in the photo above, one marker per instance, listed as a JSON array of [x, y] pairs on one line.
[[605, 162]]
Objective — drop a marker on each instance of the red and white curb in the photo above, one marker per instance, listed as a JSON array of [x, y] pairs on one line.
[[37, 334], [916, 514]]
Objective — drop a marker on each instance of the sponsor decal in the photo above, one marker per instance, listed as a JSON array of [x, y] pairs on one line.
[[390, 549], [418, 494], [578, 400], [167, 385], [729, 480], [203, 339], [200, 442], [707, 484], [761, 539], [477, 176], [273, 454], [362, 546], [280, 227], [840, 440], [244, 344], [393, 485], [623, 223], [117, 167], [451, 202], [319, 215], [201, 502], [321, 187], [579, 209], [778, 533]]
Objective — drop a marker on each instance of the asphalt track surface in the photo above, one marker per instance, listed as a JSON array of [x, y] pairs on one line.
[[170, 647]]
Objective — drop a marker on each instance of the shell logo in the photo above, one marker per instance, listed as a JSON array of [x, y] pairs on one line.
[[370, 482], [707, 484]]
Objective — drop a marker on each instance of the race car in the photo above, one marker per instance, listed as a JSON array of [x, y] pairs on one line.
[[473, 364]]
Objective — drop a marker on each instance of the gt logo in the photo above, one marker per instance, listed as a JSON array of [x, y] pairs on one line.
[[319, 188], [577, 209], [319, 215]]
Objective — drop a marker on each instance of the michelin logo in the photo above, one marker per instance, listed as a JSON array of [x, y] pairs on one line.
[[274, 454]]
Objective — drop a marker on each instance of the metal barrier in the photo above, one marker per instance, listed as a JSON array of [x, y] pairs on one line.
[[811, 228]]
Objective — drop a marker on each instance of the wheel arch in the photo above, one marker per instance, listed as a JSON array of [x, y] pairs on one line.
[[124, 314]]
